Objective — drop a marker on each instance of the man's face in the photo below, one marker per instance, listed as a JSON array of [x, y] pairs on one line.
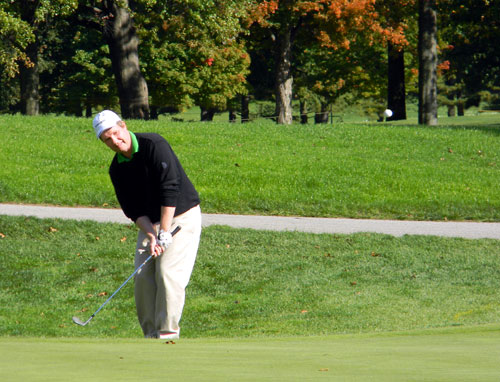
[[118, 139]]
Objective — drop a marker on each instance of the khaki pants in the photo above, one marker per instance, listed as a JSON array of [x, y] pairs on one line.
[[161, 284]]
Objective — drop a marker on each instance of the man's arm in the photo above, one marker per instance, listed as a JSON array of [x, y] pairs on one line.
[[165, 237], [146, 226], [167, 215]]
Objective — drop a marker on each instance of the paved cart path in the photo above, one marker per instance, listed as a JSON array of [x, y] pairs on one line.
[[469, 230]]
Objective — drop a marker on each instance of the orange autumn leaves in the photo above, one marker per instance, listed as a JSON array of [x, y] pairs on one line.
[[337, 23]]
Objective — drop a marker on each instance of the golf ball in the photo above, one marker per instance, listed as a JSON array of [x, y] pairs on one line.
[[388, 113]]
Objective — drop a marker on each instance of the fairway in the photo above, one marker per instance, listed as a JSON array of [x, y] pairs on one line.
[[454, 354]]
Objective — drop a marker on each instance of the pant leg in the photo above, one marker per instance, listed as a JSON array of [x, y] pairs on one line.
[[145, 287], [174, 268]]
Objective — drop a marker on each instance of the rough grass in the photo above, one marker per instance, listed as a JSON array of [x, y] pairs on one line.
[[346, 170], [247, 283]]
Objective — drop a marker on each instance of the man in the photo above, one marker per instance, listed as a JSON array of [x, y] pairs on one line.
[[154, 191]]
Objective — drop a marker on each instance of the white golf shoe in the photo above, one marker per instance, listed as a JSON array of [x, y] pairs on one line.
[[169, 336]]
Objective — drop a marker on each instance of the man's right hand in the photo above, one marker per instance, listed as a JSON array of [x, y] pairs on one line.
[[145, 225]]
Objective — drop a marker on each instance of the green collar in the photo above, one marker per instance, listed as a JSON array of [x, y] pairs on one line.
[[135, 148]]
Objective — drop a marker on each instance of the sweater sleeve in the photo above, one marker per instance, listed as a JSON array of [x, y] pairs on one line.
[[167, 171]]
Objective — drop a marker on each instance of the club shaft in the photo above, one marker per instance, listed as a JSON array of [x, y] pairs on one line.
[[124, 283], [177, 229]]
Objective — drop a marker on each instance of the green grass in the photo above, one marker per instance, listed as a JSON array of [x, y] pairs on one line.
[[247, 283], [444, 355], [261, 305], [383, 170]]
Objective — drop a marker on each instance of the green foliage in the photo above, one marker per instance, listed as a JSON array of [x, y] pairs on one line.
[[191, 54], [223, 77], [196, 52], [322, 76], [9, 92], [470, 32], [15, 34], [338, 47], [20, 21], [84, 78], [54, 8]]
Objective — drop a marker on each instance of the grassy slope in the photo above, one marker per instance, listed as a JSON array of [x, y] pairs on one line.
[[349, 170], [248, 283]]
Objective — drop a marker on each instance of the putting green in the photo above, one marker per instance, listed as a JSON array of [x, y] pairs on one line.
[[455, 354]]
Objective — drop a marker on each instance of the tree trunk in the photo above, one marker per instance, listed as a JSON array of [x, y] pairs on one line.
[[451, 111], [427, 57], [451, 96], [29, 75], [284, 78], [123, 48], [322, 116], [245, 110], [303, 112], [461, 108], [396, 94], [153, 112], [29, 82], [207, 115]]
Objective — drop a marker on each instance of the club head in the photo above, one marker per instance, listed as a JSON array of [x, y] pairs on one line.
[[77, 321]]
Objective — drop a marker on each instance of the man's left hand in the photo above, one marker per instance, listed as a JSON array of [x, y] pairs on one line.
[[164, 239]]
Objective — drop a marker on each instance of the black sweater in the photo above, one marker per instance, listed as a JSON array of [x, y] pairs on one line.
[[153, 178]]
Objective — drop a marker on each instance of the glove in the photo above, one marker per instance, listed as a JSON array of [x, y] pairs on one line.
[[164, 239]]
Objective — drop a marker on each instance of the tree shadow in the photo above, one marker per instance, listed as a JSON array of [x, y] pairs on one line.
[[491, 128]]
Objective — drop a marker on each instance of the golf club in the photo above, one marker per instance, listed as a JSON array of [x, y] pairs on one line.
[[77, 321]]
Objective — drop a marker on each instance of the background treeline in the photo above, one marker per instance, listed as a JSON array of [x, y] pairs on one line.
[[149, 57]]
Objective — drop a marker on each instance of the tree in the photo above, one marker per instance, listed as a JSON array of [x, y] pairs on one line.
[[354, 68], [77, 76], [470, 33], [320, 78], [335, 24], [37, 17], [114, 19], [29, 74], [427, 53], [397, 16], [222, 79], [192, 54], [281, 18], [451, 91], [396, 89], [15, 35], [260, 79]]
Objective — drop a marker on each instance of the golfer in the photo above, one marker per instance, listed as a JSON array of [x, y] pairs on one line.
[[154, 191]]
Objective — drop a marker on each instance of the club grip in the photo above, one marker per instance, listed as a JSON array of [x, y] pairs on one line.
[[176, 229]]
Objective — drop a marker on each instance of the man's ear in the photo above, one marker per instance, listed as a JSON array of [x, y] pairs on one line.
[[121, 124]]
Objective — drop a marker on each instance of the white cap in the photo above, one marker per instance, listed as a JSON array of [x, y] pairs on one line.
[[105, 120]]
